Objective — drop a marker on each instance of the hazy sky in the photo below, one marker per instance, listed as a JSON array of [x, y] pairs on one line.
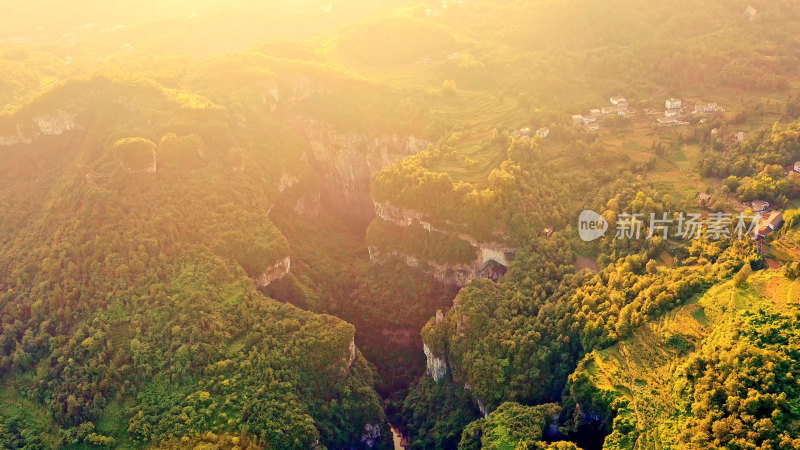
[[21, 17], [198, 27]]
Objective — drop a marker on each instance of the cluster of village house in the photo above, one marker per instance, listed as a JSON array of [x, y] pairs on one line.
[[619, 106], [740, 136], [675, 112], [769, 221], [527, 133]]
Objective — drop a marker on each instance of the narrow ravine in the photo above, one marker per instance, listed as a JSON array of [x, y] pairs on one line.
[[329, 257], [394, 347]]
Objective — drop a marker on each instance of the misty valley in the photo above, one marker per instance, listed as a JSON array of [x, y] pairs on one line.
[[410, 224]]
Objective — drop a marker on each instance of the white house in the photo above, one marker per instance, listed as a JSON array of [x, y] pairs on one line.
[[543, 132], [594, 126], [705, 108], [522, 133], [672, 103], [618, 100], [774, 221], [797, 166], [577, 119], [671, 113]]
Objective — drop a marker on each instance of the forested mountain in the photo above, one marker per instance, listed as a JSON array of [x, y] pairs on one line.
[[350, 224], [127, 287]]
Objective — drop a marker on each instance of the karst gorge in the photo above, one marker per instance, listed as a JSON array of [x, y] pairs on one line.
[[352, 225]]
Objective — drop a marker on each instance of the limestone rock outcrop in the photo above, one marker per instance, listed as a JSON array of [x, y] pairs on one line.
[[346, 162], [436, 366], [492, 260], [274, 273]]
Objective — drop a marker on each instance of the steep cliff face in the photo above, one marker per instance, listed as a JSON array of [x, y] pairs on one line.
[[436, 366], [291, 90], [308, 206], [481, 407], [347, 161], [448, 274], [54, 124], [57, 123], [351, 353], [492, 260], [18, 137], [274, 273]]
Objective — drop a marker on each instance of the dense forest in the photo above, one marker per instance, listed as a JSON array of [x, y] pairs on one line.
[[355, 225]]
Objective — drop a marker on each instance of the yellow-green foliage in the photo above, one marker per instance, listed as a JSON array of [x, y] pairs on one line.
[[18, 78], [127, 311], [136, 154], [179, 152], [436, 413], [743, 386], [755, 169], [510, 426], [142, 322], [521, 338], [420, 243], [654, 385], [458, 206]]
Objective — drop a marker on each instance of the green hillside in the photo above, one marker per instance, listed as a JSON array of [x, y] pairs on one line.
[[347, 224], [661, 387], [129, 314]]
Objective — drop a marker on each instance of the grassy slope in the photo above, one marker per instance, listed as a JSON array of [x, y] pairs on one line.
[[18, 406], [642, 369], [787, 247]]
